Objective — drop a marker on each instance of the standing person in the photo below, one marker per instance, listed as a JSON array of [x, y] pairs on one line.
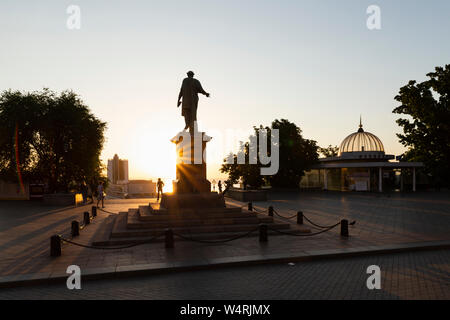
[[160, 186], [84, 192], [219, 185], [89, 193], [100, 194]]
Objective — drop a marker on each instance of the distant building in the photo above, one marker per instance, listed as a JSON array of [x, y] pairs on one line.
[[121, 187], [141, 189], [117, 170], [362, 165]]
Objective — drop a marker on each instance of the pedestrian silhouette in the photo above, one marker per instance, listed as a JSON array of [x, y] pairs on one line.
[[100, 194], [160, 186], [84, 192]]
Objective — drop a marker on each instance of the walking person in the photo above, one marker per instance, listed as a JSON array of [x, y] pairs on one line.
[[160, 186], [100, 194], [84, 192], [90, 193]]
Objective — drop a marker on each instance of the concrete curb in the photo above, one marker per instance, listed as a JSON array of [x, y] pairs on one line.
[[167, 267]]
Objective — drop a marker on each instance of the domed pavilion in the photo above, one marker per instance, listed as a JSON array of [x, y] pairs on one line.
[[361, 165]]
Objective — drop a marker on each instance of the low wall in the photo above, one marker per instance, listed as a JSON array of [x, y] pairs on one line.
[[247, 195], [13, 191], [63, 199]]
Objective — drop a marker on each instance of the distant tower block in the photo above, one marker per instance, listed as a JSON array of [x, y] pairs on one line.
[[117, 170]]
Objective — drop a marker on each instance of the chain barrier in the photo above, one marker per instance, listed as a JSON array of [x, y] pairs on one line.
[[112, 248], [304, 234], [310, 221], [289, 218], [258, 211], [315, 224], [216, 241]]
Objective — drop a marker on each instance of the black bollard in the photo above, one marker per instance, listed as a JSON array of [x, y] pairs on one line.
[[86, 218], [250, 206], [270, 211], [263, 233], [94, 211], [169, 238], [75, 228], [55, 246], [344, 228], [299, 217]]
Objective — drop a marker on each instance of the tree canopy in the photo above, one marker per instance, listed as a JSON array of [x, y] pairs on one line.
[[329, 151], [426, 131], [296, 155], [50, 138]]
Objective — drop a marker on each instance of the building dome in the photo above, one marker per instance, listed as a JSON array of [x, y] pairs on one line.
[[361, 141]]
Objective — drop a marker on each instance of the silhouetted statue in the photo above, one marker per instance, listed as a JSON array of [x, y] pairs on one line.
[[189, 91]]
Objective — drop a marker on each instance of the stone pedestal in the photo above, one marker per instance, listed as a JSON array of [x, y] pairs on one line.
[[191, 189], [177, 202], [191, 163]]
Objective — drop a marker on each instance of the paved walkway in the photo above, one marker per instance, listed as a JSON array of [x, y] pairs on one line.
[[25, 229], [424, 275]]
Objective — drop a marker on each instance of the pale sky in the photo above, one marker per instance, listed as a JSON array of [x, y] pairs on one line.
[[314, 63]]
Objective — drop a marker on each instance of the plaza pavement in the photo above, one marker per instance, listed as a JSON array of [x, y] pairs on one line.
[[384, 223], [409, 275]]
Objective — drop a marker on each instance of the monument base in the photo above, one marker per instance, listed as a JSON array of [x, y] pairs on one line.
[[176, 201], [191, 185]]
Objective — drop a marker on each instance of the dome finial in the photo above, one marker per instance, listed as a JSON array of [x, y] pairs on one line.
[[360, 124]]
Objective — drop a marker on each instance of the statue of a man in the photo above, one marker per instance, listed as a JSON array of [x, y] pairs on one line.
[[189, 91]]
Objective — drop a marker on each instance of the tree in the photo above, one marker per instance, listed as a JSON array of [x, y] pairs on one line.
[[329, 151], [296, 155], [51, 138], [248, 174], [427, 133]]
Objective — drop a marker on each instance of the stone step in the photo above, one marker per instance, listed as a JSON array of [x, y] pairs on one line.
[[195, 236], [134, 222], [104, 231], [154, 210], [146, 215], [155, 207], [120, 230], [194, 223]]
